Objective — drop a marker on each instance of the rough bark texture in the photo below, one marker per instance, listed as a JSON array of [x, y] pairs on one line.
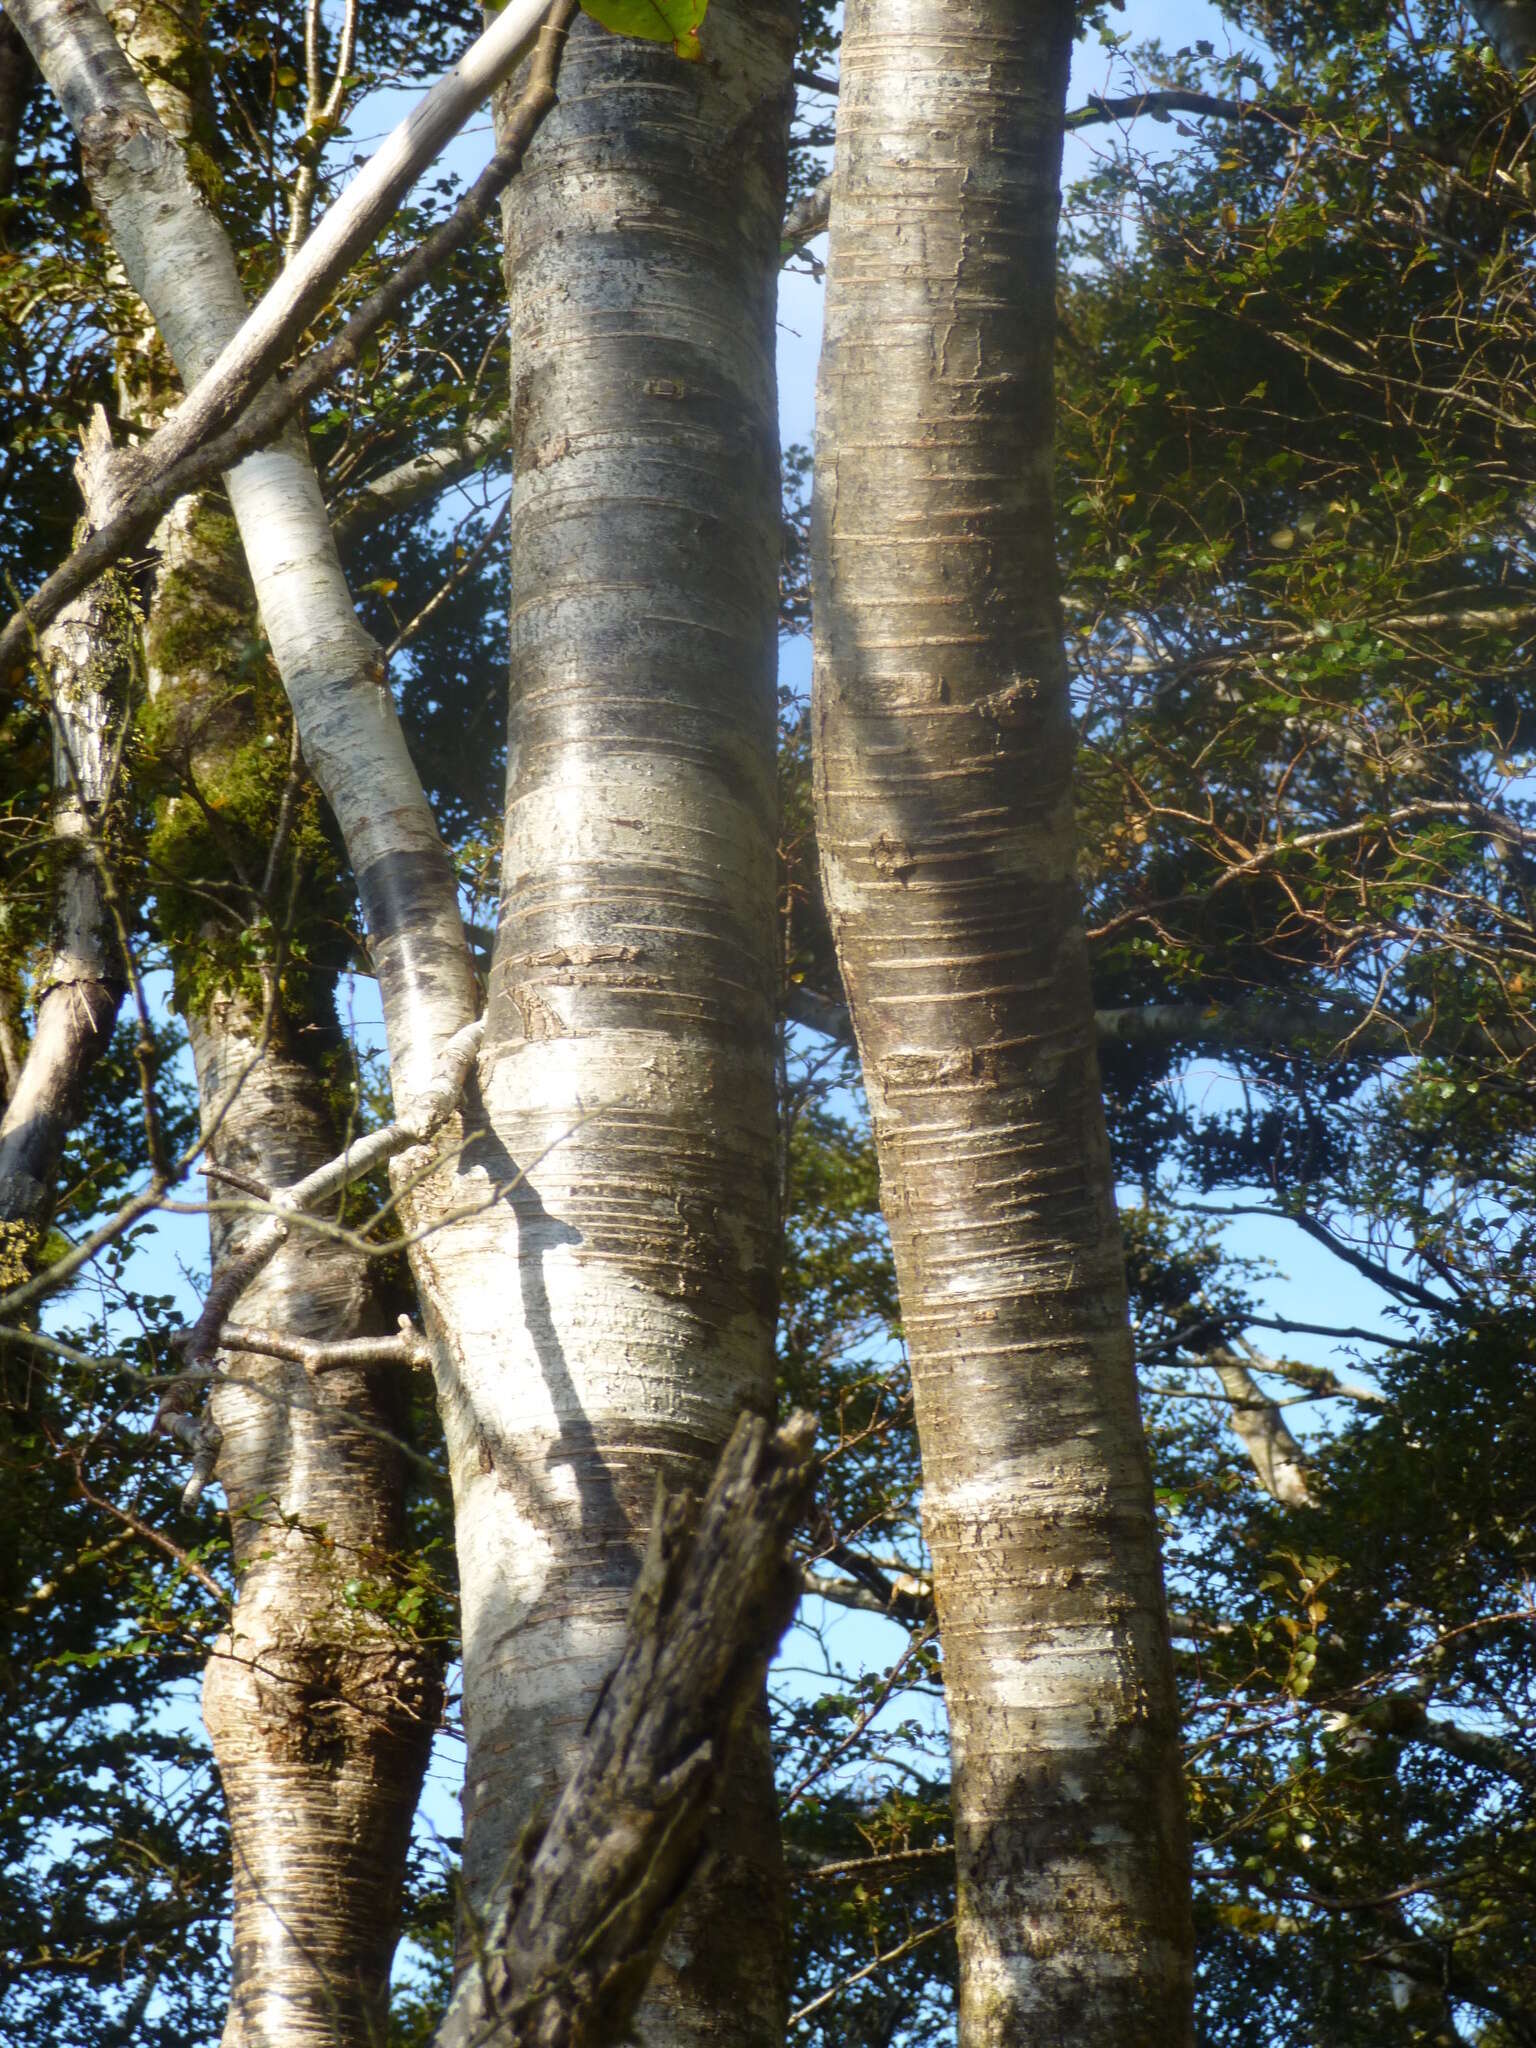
[[633, 1013], [321, 1715], [944, 808], [87, 660], [575, 1932], [627, 1075]]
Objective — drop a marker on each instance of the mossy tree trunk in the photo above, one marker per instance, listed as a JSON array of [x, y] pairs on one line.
[[320, 1709]]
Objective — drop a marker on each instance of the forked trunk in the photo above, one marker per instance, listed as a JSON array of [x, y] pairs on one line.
[[944, 807]]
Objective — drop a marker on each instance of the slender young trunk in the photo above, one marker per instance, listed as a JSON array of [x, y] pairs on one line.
[[87, 656], [178, 258], [627, 1074], [944, 807]]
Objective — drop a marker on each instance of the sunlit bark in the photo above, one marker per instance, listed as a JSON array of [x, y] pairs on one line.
[[944, 808]]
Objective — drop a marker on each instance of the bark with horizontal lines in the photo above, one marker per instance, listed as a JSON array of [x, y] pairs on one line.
[[943, 782]]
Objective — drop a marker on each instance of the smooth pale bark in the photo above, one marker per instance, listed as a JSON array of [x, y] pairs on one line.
[[348, 228], [943, 782], [1261, 1428], [178, 259], [604, 1309], [627, 1076], [87, 660]]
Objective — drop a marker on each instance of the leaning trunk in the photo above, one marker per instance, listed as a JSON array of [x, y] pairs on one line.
[[627, 1073], [944, 808]]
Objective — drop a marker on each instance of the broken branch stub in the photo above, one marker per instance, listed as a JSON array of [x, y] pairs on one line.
[[572, 1942]]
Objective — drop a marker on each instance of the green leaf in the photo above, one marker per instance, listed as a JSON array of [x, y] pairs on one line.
[[659, 21]]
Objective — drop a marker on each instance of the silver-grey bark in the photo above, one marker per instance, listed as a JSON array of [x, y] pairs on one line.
[[321, 1713], [573, 1935], [627, 1078], [944, 806]]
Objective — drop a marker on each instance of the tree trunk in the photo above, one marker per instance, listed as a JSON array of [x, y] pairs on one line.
[[633, 1008], [1510, 26], [320, 1712], [627, 1074], [178, 258], [944, 805], [86, 655]]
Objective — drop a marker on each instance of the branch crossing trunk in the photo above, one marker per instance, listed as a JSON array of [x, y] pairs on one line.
[[623, 1140]]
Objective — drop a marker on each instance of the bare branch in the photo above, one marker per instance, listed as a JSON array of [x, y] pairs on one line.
[[432, 1108], [407, 1348], [422, 477], [1261, 1429], [1262, 1023]]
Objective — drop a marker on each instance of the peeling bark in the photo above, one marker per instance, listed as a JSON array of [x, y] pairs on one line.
[[943, 783], [563, 1959], [321, 1714]]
